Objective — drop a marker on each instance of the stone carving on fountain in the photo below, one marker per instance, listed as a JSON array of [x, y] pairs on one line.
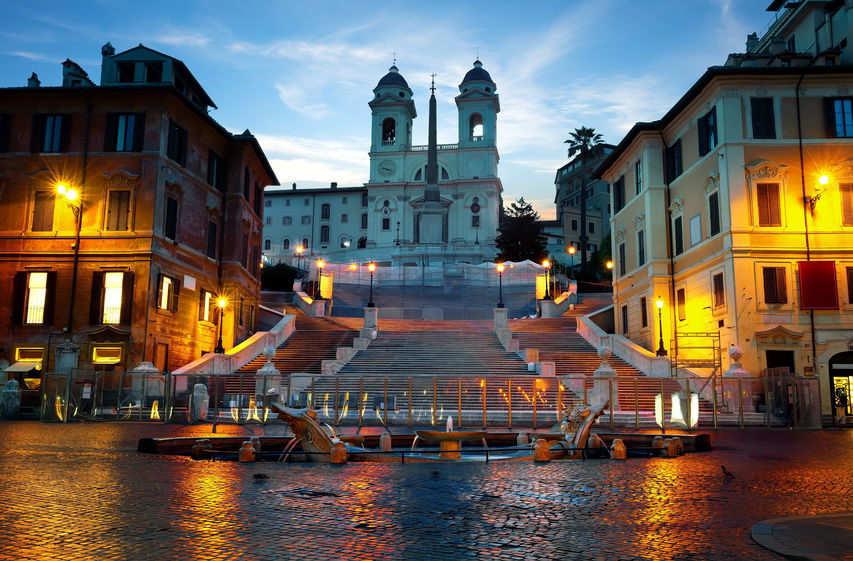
[[10, 400]]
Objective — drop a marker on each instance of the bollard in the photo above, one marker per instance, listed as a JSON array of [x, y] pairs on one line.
[[669, 449], [522, 439], [618, 450], [657, 446], [199, 451], [679, 445], [541, 451], [247, 452], [385, 442], [338, 453], [256, 443]]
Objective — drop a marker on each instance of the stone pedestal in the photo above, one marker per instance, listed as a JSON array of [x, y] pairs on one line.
[[450, 449], [385, 442], [371, 317], [548, 308], [736, 370], [66, 357], [338, 454], [500, 315], [201, 403], [542, 451], [10, 400], [606, 379], [247, 452], [618, 450], [268, 382]]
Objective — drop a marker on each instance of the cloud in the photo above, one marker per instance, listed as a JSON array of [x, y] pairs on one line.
[[178, 37], [314, 163], [299, 100], [38, 57]]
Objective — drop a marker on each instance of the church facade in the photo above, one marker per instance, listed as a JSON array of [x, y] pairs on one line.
[[422, 205]]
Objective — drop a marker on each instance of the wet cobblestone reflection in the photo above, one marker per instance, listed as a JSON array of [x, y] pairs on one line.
[[82, 492]]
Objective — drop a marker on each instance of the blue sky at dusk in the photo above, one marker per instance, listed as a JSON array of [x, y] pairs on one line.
[[299, 74]]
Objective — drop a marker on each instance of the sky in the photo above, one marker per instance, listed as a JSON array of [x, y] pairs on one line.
[[299, 75]]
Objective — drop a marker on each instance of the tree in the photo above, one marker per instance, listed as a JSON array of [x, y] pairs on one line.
[[520, 235], [586, 142]]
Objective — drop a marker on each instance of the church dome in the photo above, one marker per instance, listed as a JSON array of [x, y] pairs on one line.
[[477, 74], [393, 78]]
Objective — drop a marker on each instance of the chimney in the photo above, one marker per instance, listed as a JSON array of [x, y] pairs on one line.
[[334, 184], [751, 42], [107, 66], [294, 186], [34, 81]]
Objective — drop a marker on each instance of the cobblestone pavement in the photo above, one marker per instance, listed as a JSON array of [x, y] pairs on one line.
[[81, 491]]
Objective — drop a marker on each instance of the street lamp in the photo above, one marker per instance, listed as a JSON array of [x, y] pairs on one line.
[[371, 267], [299, 249], [572, 251], [547, 265], [72, 199], [661, 349], [397, 240], [221, 303], [320, 265], [500, 269]]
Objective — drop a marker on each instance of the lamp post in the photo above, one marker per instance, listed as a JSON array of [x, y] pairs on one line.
[[72, 198], [371, 267], [299, 249], [661, 350], [320, 265], [572, 251], [500, 269], [547, 265], [221, 303], [397, 240]]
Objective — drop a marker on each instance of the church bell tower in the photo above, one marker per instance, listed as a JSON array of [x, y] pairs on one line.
[[392, 109]]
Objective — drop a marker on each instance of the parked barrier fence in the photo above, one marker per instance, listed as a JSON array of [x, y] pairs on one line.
[[499, 402]]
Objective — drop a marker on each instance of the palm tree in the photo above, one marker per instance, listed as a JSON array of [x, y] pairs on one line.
[[586, 142]]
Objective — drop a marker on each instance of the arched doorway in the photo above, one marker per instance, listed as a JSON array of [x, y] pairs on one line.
[[841, 384]]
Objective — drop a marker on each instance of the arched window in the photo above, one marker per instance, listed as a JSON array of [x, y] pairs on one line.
[[305, 243], [285, 243], [267, 245], [325, 211], [475, 127], [389, 131], [444, 174], [324, 234], [419, 175], [362, 243], [364, 199]]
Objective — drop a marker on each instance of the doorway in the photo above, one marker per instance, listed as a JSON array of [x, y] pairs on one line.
[[841, 386], [781, 359]]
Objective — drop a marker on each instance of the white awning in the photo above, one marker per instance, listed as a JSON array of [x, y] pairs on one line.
[[22, 366]]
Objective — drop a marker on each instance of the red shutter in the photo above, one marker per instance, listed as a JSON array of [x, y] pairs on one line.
[[818, 287], [126, 297], [96, 306]]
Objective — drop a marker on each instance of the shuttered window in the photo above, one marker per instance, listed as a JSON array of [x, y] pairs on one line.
[[678, 233], [681, 301], [714, 213], [763, 119], [775, 291], [170, 230], [51, 132], [43, 202], [768, 204], [125, 132], [846, 204], [719, 291], [118, 210]]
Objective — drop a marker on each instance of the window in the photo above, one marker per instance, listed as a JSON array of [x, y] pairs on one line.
[[714, 213], [5, 125], [638, 177], [389, 131], [846, 203], [644, 312], [286, 220], [32, 297], [838, 112], [287, 202], [362, 243], [43, 203], [267, 203], [267, 245], [205, 306], [305, 243], [343, 200], [125, 132], [574, 225], [167, 293], [344, 219], [306, 202], [641, 248], [364, 199], [622, 267], [154, 71], [681, 303], [850, 285], [176, 149], [258, 200], [719, 291], [386, 224], [679, 236], [246, 183], [306, 219], [211, 239], [256, 260], [285, 243], [324, 234], [695, 230], [419, 175], [170, 229], [673, 161], [118, 210], [619, 194], [125, 72], [111, 297], [591, 227], [708, 132], [364, 222], [215, 171], [768, 204], [624, 319], [775, 291], [325, 211], [240, 313], [50, 133], [444, 174], [475, 220], [763, 119], [269, 220], [244, 254]]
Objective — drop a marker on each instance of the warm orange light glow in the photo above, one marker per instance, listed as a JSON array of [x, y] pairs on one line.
[[61, 189], [500, 268], [71, 194], [659, 303], [512, 265], [610, 264], [546, 264], [371, 267], [299, 249], [353, 267], [320, 264], [222, 302], [823, 179], [572, 250]]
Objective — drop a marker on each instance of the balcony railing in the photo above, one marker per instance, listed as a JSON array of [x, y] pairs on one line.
[[424, 148]]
